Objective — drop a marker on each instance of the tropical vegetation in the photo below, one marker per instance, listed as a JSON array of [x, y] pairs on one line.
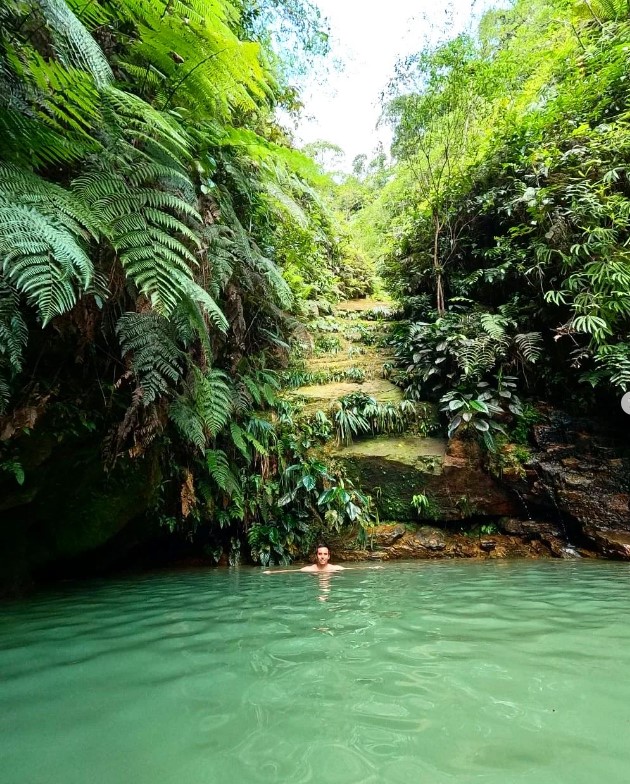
[[159, 235], [510, 202], [163, 243]]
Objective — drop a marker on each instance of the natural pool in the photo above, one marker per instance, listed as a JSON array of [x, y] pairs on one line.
[[495, 672]]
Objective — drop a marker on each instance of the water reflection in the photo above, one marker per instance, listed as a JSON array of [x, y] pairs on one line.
[[324, 586]]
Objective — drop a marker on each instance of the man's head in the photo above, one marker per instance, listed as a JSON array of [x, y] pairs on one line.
[[323, 554]]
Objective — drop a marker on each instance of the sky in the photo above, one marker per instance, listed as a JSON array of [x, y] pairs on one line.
[[367, 39]]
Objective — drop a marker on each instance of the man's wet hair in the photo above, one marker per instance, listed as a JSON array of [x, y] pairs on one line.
[[321, 544]]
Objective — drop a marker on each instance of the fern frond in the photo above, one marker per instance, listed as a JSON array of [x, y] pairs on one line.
[[287, 204], [494, 325], [5, 393], [529, 345], [149, 340], [260, 448], [220, 471], [13, 330], [188, 423], [262, 388], [73, 43], [238, 439], [190, 322], [26, 141], [242, 398], [199, 296], [140, 224], [218, 255], [13, 339], [213, 400], [260, 433], [56, 203], [254, 390], [613, 361], [245, 251], [41, 259], [140, 121]]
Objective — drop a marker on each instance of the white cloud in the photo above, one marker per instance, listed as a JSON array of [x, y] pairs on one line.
[[368, 38]]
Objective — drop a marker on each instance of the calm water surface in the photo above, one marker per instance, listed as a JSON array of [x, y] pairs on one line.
[[502, 673]]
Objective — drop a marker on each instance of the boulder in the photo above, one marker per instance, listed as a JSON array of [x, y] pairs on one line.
[[430, 538], [579, 475], [394, 469]]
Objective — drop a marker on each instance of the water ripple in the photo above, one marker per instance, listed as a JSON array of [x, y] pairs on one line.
[[442, 672]]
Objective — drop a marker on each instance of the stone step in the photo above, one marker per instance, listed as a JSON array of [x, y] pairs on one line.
[[370, 362], [363, 305], [322, 396], [406, 449]]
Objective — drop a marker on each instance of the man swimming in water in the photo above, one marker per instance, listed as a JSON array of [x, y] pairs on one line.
[[321, 566], [323, 562]]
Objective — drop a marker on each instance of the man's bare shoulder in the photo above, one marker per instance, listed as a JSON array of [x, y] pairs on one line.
[[327, 568]]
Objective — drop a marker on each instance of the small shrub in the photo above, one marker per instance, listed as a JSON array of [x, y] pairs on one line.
[[425, 508]]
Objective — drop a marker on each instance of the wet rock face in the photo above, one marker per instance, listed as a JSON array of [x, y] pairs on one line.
[[552, 536], [386, 535], [386, 543], [580, 474], [395, 468], [465, 489], [612, 544]]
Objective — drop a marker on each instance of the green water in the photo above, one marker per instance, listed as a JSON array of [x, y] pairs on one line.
[[454, 672]]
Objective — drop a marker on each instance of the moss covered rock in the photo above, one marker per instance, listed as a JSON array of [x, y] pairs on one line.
[[68, 504], [451, 477]]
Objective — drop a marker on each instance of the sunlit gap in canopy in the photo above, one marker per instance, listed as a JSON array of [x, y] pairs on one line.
[[367, 40]]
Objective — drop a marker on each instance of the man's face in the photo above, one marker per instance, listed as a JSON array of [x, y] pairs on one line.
[[323, 556]]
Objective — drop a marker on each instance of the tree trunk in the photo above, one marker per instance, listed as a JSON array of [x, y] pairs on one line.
[[439, 285]]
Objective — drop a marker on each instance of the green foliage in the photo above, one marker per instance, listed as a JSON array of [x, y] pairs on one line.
[[14, 468], [279, 542], [477, 411], [458, 350], [204, 409], [521, 430], [509, 459], [313, 501], [43, 237], [358, 414], [355, 374], [518, 140], [151, 342], [426, 509], [298, 377], [327, 344], [155, 222], [13, 337], [220, 471]]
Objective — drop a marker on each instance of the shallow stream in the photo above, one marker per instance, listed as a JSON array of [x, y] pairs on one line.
[[458, 672]]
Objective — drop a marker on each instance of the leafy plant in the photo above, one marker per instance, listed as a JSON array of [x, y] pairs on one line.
[[355, 374], [479, 411], [459, 349], [14, 468], [325, 344], [425, 507]]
